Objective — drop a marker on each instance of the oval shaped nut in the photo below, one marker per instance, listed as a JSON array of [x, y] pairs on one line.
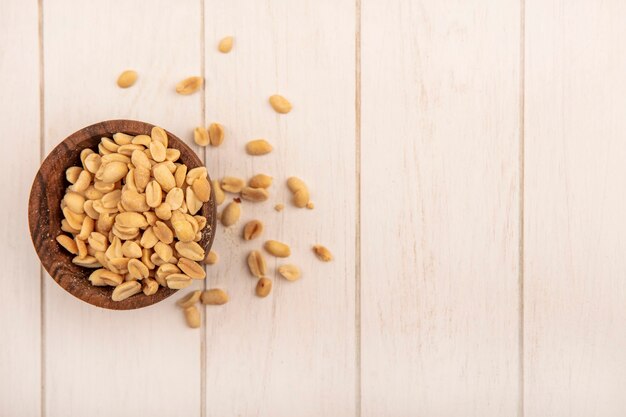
[[225, 45], [129, 180], [86, 229], [137, 269], [122, 138], [256, 264], [115, 248], [125, 233], [190, 299], [258, 147], [252, 230], [322, 253], [254, 194], [175, 198], [131, 249], [191, 268], [96, 278], [92, 194], [260, 181], [65, 226], [102, 150], [126, 290], [149, 238], [194, 223], [202, 189], [158, 134], [192, 317], [126, 151], [294, 184], [111, 278], [75, 220], [196, 173], [82, 182], [145, 258], [172, 154], [99, 207], [180, 174], [84, 154], [142, 178], [158, 151], [301, 198], [189, 85], [231, 214], [98, 241], [201, 220], [280, 104], [143, 140], [276, 248], [127, 79], [211, 258], [192, 201], [75, 202], [216, 134], [190, 250], [103, 187], [263, 287], [113, 172], [163, 232], [109, 145], [164, 177], [87, 262], [110, 200], [214, 296], [201, 136], [131, 219], [82, 248], [92, 162], [150, 286], [289, 272], [164, 251], [154, 194], [114, 157], [182, 228], [219, 193], [178, 281], [150, 217], [166, 269], [134, 201], [72, 173], [139, 159], [164, 211], [104, 223], [232, 184], [68, 243]]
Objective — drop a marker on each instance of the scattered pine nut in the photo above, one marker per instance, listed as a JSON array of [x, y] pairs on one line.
[[127, 79], [192, 317], [216, 134], [310, 205], [231, 214], [252, 230], [279, 207], [322, 253], [300, 192], [263, 287], [289, 272], [260, 181], [280, 104], [190, 299], [258, 147], [201, 136], [225, 45], [211, 258], [215, 296], [189, 85], [278, 249]]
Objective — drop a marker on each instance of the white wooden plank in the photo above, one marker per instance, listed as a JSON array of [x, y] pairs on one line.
[[293, 352], [440, 208], [575, 364], [20, 312], [131, 363]]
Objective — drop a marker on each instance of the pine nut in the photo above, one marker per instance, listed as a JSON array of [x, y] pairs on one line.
[[215, 296], [258, 147], [278, 249]]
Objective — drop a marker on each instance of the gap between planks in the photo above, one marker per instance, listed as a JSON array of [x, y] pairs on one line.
[[521, 167], [357, 239]]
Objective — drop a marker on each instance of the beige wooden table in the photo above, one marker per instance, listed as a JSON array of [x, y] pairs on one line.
[[467, 160]]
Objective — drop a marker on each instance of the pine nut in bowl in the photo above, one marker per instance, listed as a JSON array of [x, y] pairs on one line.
[[101, 227]]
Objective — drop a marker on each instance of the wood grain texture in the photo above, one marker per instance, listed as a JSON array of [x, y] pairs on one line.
[[575, 177], [292, 353], [440, 212], [45, 215], [20, 312], [136, 363]]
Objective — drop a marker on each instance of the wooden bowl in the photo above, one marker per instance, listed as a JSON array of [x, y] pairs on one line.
[[44, 213]]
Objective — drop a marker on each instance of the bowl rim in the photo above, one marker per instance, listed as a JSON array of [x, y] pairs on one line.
[[44, 230]]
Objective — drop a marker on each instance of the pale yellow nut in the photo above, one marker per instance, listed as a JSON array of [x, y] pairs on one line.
[[174, 200], [112, 172], [75, 202], [164, 177], [154, 194], [150, 217], [110, 200], [82, 182], [294, 184], [300, 191], [150, 286], [68, 243], [137, 269], [86, 229], [140, 160], [263, 287], [159, 134], [75, 220], [130, 180], [231, 214], [214, 296], [254, 194], [279, 207], [166, 269], [115, 248], [216, 134], [191, 268], [131, 219], [102, 150], [289, 272], [172, 154], [134, 201], [256, 264], [180, 174], [190, 250], [189, 85], [111, 278], [104, 223], [219, 193], [225, 45], [149, 238], [276, 248], [82, 247], [258, 147], [178, 281], [158, 151], [201, 136], [232, 184], [145, 258], [310, 205], [126, 290], [119, 265], [122, 138], [194, 204], [90, 211], [143, 140], [124, 152], [195, 227], [87, 262], [99, 207], [260, 181], [280, 104], [127, 79], [195, 173], [322, 253], [92, 194], [98, 241], [182, 228], [190, 299], [164, 251], [142, 178], [164, 211], [96, 278], [131, 249], [163, 232], [192, 317], [201, 220], [202, 189], [93, 162], [72, 173], [252, 230], [211, 258], [109, 145], [84, 154]]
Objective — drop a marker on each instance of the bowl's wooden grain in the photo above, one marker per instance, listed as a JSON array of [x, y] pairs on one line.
[[44, 213]]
